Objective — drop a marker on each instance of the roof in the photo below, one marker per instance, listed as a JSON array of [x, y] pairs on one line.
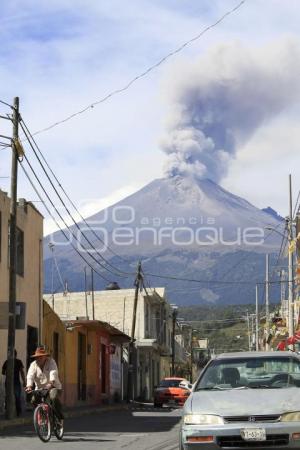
[[94, 324], [256, 354], [156, 291], [147, 343], [174, 378]]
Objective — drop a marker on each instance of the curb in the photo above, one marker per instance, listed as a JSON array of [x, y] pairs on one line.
[[68, 414]]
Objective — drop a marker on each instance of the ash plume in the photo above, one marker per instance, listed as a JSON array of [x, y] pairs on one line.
[[218, 102]]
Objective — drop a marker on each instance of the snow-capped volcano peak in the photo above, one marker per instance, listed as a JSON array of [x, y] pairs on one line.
[[177, 225]]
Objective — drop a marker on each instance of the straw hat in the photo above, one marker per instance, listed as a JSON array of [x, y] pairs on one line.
[[40, 351]]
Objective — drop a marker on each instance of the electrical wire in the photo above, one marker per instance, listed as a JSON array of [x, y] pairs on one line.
[[68, 212], [215, 320], [7, 104], [68, 197], [60, 216], [296, 208], [57, 224], [193, 280], [145, 73], [244, 257]]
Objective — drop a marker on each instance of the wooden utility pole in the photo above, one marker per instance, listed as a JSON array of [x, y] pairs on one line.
[[93, 296], [9, 385], [291, 268], [256, 319], [131, 368], [267, 303], [191, 361], [85, 295], [174, 315]]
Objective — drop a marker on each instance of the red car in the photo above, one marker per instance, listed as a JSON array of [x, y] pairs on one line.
[[172, 391]]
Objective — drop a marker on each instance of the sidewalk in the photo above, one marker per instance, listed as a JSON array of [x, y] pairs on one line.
[[27, 417]]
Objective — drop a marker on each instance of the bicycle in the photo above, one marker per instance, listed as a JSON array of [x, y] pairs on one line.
[[44, 418]]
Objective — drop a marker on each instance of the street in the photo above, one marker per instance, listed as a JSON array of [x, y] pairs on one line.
[[142, 428]]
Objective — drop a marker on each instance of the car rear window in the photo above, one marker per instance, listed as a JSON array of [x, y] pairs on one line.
[[170, 383]]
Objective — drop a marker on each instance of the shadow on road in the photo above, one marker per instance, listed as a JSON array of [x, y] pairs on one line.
[[135, 420]]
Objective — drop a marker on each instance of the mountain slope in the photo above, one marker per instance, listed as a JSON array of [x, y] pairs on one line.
[[180, 227]]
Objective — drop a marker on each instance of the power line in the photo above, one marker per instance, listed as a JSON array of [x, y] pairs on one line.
[[69, 213], [57, 224], [146, 72], [67, 196], [193, 280], [247, 255], [60, 216], [7, 104]]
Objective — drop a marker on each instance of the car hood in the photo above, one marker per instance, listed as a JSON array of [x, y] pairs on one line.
[[244, 402]]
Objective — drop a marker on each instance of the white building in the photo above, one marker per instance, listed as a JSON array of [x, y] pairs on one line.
[[153, 332]]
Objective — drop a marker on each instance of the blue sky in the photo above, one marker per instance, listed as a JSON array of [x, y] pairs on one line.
[[60, 56]]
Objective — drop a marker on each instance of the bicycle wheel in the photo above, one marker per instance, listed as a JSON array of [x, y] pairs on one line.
[[58, 428], [42, 424]]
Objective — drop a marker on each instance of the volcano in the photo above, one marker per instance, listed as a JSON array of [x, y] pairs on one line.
[[180, 227]]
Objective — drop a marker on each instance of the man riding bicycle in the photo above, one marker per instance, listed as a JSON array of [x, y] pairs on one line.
[[43, 373]]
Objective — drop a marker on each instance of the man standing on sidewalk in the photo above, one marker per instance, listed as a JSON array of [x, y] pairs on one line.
[[18, 371], [43, 373]]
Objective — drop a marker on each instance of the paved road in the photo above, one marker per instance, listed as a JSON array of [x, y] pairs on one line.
[[137, 429]]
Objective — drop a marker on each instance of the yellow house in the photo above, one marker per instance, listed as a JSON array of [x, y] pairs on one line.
[[29, 278], [89, 358]]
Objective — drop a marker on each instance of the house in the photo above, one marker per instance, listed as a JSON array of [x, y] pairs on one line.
[[89, 355], [29, 278], [152, 355]]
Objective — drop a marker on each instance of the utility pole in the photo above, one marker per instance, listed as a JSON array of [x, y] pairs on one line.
[[85, 294], [10, 392], [256, 319], [93, 296], [131, 374], [252, 332], [191, 370], [248, 328], [267, 303], [291, 284], [174, 316], [51, 247]]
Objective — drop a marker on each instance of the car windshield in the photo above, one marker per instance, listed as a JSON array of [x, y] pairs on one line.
[[170, 383], [251, 373]]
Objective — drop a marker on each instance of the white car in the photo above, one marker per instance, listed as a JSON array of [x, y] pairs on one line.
[[244, 401]]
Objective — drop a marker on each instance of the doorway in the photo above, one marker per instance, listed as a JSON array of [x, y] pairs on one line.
[[103, 369], [81, 388], [32, 343]]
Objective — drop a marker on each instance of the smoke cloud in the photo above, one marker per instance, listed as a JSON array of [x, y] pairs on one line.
[[218, 102]]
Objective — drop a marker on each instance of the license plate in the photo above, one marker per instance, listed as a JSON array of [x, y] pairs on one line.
[[253, 434]]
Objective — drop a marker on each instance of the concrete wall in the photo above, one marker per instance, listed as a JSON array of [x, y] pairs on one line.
[[29, 286], [113, 307]]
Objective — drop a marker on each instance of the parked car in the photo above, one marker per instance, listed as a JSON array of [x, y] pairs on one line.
[[172, 391], [244, 400]]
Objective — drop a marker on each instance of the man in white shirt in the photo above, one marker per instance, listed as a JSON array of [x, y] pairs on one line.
[[43, 373]]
